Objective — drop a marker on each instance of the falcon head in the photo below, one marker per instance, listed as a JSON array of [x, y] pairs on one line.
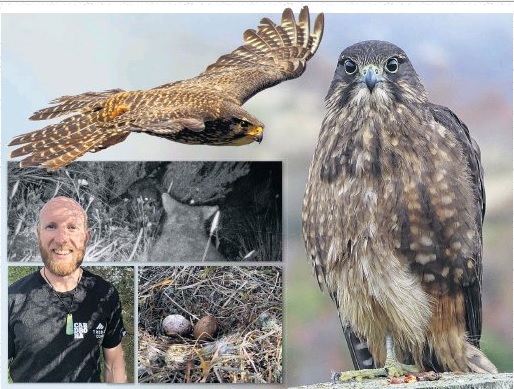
[[376, 73], [246, 130], [237, 126], [222, 126]]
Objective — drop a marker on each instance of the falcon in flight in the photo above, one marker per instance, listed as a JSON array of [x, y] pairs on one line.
[[392, 219], [202, 110]]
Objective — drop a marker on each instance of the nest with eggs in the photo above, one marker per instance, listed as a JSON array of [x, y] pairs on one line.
[[246, 346]]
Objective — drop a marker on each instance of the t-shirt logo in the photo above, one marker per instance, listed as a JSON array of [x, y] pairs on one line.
[[79, 329], [99, 331]]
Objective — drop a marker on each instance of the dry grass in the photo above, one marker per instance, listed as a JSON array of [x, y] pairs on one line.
[[202, 182], [247, 303], [122, 232]]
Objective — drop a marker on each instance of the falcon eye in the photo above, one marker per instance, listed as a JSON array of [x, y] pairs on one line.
[[244, 123], [349, 66], [392, 65]]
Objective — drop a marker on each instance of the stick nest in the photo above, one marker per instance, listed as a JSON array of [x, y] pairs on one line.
[[247, 303]]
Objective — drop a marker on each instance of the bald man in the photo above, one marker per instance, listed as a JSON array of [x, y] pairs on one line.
[[62, 316]]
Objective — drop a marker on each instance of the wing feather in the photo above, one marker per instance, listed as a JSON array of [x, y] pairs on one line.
[[472, 292], [70, 104], [271, 54], [269, 30]]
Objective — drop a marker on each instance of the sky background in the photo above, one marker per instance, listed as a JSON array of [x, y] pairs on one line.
[[463, 59]]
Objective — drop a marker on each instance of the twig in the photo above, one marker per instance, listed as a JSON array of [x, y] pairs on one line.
[[179, 306], [136, 244], [234, 293]]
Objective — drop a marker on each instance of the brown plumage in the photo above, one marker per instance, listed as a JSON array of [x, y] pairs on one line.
[[392, 216], [202, 110]]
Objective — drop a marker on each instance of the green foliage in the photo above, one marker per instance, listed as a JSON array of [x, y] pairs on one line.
[[16, 272], [122, 277]]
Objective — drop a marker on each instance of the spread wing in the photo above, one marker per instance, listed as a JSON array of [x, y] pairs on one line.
[[271, 54], [179, 110]]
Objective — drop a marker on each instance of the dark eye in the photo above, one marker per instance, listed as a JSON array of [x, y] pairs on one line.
[[244, 123], [349, 66], [392, 65]]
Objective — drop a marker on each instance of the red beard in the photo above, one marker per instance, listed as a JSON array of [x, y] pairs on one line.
[[62, 268]]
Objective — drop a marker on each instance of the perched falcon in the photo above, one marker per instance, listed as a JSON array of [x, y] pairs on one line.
[[202, 110], [392, 219]]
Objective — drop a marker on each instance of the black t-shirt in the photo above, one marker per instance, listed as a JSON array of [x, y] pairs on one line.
[[39, 348]]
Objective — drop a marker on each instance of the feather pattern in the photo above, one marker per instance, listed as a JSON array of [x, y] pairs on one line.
[[392, 217], [205, 109]]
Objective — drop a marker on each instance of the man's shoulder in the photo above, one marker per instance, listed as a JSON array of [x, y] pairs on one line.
[[26, 283], [94, 280]]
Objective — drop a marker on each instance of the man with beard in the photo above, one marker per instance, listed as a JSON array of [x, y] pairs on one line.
[[62, 315]]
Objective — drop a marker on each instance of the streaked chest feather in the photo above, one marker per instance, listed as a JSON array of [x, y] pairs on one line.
[[393, 188]]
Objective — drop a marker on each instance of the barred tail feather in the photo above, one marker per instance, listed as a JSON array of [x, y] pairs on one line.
[[359, 351], [52, 132], [53, 158], [57, 145]]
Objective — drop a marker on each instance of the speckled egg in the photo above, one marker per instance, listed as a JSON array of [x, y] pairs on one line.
[[205, 328], [174, 325]]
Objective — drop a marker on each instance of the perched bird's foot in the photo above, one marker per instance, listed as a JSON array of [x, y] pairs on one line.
[[359, 375], [397, 369], [392, 368]]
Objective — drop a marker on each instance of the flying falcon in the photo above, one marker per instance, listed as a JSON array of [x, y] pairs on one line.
[[392, 219], [202, 110]]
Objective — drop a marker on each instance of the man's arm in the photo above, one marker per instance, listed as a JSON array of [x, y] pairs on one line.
[[115, 365]]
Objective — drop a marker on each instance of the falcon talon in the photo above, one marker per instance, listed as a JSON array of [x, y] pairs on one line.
[[359, 375]]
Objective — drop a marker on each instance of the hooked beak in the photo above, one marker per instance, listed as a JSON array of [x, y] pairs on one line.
[[371, 76], [258, 138], [253, 135], [257, 133]]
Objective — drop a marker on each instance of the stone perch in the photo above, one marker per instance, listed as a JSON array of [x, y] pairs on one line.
[[447, 380]]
